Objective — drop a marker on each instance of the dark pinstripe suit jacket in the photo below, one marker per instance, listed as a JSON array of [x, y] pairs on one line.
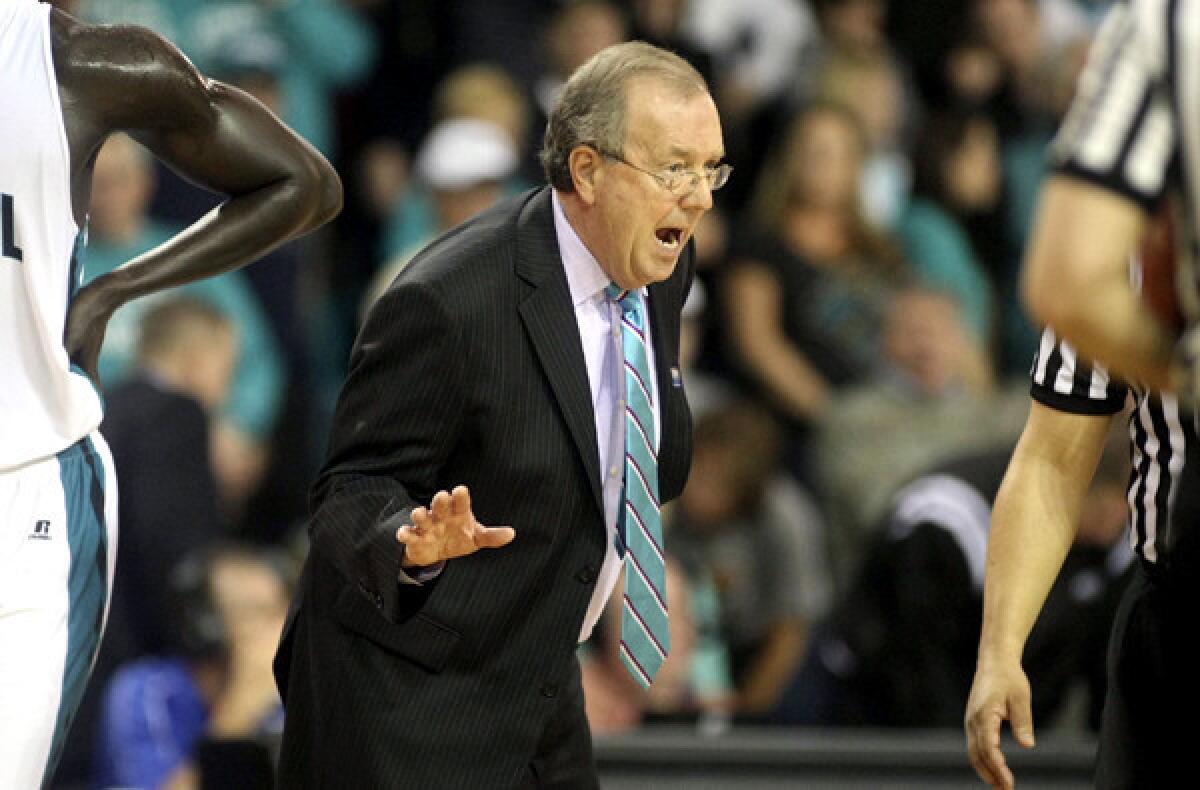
[[468, 370]]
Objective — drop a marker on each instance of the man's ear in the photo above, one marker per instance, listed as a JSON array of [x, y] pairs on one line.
[[584, 163]]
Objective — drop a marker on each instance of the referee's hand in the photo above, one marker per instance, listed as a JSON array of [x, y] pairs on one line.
[[1000, 691]]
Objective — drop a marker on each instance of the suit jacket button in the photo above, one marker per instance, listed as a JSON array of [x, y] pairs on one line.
[[586, 575], [549, 690]]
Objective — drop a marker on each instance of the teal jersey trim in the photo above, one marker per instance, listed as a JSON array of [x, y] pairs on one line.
[[76, 276], [74, 283]]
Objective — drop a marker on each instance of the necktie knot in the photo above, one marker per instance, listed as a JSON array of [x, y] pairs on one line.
[[627, 300]]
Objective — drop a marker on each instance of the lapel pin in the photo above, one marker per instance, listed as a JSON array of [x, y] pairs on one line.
[[676, 378]]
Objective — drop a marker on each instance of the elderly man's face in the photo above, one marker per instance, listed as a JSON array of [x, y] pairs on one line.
[[644, 227]]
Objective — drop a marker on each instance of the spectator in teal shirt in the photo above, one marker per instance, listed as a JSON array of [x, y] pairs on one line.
[[957, 187], [326, 46], [119, 230]]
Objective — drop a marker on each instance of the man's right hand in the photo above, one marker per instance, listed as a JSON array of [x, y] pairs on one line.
[[1000, 691], [91, 308], [447, 529]]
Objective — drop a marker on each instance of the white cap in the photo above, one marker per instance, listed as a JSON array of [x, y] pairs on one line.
[[464, 152]]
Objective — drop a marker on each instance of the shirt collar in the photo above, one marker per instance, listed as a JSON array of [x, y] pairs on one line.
[[585, 278]]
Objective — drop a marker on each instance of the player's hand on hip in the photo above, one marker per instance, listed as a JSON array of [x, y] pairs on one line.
[[447, 529], [86, 321], [1000, 691]]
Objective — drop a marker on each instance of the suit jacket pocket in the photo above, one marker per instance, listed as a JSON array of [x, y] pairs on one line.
[[420, 639]]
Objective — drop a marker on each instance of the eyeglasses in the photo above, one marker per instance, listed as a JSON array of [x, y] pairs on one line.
[[680, 181]]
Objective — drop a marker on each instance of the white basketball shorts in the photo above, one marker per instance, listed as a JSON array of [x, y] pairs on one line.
[[58, 540]]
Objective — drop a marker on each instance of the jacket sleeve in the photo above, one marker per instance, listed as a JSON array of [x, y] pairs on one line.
[[398, 418]]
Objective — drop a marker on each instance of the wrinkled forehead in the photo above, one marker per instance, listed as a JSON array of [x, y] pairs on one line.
[[664, 119]]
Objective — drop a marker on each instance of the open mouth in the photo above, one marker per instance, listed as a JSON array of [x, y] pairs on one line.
[[669, 238]]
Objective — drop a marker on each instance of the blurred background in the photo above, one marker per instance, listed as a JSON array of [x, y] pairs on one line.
[[856, 360]]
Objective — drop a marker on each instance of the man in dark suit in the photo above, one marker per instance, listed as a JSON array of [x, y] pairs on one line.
[[492, 384]]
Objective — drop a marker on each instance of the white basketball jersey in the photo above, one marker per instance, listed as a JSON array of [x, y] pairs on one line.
[[44, 406]]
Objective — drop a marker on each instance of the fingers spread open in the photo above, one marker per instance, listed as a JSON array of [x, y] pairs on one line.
[[493, 537], [422, 520], [460, 501], [441, 506]]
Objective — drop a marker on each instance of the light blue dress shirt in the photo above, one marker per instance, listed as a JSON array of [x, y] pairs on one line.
[[599, 321]]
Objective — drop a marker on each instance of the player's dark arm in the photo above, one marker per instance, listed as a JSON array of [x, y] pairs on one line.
[[129, 79]]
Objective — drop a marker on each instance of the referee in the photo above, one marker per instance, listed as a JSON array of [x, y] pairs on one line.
[[1151, 682], [1131, 138]]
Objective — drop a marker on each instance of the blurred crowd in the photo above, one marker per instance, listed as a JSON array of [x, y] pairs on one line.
[[854, 351]]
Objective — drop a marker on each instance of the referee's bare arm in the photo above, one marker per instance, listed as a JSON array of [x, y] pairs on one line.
[[1033, 526], [129, 79], [1076, 279]]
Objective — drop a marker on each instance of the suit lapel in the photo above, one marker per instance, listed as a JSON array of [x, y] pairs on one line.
[[674, 453], [663, 332], [665, 336], [549, 319]]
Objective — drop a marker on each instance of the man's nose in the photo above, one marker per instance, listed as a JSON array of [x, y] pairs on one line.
[[699, 197]]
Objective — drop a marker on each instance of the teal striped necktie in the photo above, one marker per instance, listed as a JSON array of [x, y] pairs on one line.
[[644, 638]]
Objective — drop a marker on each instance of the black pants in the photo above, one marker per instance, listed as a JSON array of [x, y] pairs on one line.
[[1148, 735], [564, 758]]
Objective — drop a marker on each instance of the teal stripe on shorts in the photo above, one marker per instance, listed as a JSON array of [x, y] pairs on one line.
[[83, 483]]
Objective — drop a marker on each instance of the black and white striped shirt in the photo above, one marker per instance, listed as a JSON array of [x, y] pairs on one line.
[[1160, 434], [1134, 125]]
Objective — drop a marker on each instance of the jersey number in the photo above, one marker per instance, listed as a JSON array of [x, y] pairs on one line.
[[8, 230]]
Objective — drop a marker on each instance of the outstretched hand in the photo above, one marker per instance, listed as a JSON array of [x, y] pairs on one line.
[[447, 529]]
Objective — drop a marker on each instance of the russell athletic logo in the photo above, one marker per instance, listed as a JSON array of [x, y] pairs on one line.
[[41, 530]]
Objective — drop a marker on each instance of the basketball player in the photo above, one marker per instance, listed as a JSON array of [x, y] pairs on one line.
[[64, 87]]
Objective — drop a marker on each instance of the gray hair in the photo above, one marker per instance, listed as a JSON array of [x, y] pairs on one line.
[[592, 107]]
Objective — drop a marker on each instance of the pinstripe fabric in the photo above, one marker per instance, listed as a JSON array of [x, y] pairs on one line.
[[645, 639], [469, 370]]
